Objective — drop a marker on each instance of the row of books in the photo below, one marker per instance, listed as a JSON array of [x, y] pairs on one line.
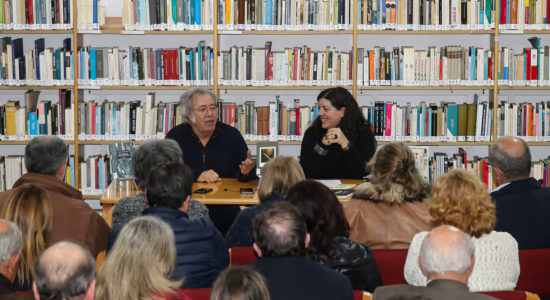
[[114, 66], [167, 14], [519, 14], [127, 120], [91, 14], [36, 14], [37, 118], [13, 166], [39, 65], [531, 67]]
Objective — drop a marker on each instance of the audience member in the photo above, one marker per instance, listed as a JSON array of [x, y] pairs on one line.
[[280, 174], [240, 283], [212, 149], [523, 206], [64, 271], [46, 160], [29, 208], [340, 140], [11, 245], [329, 232], [140, 264], [200, 248], [461, 200], [281, 239], [447, 258], [149, 154], [388, 211]]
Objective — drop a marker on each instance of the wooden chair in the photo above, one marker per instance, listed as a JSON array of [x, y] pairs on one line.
[[240, 256]]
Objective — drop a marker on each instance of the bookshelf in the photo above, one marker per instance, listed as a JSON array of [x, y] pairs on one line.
[[346, 36]]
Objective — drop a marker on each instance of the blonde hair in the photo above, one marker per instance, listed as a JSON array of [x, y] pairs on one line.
[[140, 263], [393, 165], [29, 207], [280, 174], [460, 199]]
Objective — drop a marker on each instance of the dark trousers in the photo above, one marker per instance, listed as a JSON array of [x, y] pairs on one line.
[[223, 216]]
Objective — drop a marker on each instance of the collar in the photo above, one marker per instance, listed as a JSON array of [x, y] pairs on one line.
[[49, 183], [166, 212], [500, 186], [448, 284], [518, 186], [218, 130]]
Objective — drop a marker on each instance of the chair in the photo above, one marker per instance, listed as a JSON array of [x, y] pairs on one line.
[[240, 256], [535, 271], [513, 295], [391, 264], [198, 293]]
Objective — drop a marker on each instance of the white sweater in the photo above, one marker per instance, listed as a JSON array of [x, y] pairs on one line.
[[496, 266]]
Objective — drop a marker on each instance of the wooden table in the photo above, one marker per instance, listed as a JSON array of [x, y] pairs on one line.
[[225, 192]]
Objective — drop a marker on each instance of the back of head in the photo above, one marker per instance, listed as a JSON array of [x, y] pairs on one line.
[[512, 157], [11, 241], [152, 153], [446, 249], [280, 174], [46, 155], [280, 230], [168, 185], [240, 283], [322, 213], [394, 175], [461, 200], [29, 207], [64, 271], [140, 262]]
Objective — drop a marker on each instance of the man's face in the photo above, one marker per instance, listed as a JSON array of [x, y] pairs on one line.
[[204, 115]]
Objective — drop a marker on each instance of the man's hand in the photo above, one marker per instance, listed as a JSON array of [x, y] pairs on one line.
[[209, 176], [248, 164]]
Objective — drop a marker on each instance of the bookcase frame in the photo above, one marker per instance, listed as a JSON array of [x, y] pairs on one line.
[[78, 91]]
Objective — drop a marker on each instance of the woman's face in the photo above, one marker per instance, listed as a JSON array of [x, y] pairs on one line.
[[329, 115]]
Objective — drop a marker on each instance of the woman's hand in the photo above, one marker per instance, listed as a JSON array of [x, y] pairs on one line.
[[335, 136]]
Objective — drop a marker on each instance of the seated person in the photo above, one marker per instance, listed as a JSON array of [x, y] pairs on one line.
[[140, 264], [10, 254], [200, 248], [447, 258], [149, 154], [212, 149], [280, 174], [281, 239], [240, 283], [461, 200], [388, 211], [329, 231], [339, 142]]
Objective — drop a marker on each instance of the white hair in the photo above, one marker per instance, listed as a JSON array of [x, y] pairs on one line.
[[454, 254], [186, 101], [11, 241]]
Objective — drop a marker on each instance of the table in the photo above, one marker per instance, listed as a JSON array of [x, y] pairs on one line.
[[225, 192]]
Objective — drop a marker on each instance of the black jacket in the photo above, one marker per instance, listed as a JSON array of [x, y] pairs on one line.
[[201, 250], [523, 210], [355, 260]]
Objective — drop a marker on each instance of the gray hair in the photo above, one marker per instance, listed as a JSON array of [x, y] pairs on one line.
[[454, 254], [186, 100], [45, 155], [152, 153], [64, 271], [511, 167], [11, 241]]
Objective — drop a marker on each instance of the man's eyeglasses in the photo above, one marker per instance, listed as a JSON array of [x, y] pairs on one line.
[[203, 110]]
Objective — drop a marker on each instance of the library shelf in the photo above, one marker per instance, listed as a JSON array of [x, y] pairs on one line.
[[147, 32], [512, 87], [279, 87], [52, 31], [24, 142], [36, 87], [283, 32], [423, 32], [141, 87], [442, 87]]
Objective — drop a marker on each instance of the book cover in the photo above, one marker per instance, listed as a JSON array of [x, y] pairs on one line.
[[121, 159], [265, 151]]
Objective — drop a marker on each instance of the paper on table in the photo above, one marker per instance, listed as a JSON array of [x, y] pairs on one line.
[[336, 184]]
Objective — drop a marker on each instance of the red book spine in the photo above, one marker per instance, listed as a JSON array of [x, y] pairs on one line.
[[503, 11], [166, 63], [270, 66], [490, 73], [232, 109], [485, 174], [297, 120], [30, 13], [527, 55], [93, 118], [96, 166], [152, 59]]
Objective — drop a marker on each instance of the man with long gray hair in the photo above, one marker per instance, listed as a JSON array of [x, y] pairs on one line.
[[46, 161], [447, 259], [522, 205], [11, 244]]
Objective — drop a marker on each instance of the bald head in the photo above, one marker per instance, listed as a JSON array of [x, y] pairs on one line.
[[512, 157], [64, 270], [446, 249]]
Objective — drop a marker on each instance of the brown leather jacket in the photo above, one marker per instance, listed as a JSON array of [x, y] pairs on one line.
[[73, 219], [384, 223]]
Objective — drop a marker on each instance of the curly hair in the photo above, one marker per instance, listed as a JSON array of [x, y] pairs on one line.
[[393, 164], [461, 200]]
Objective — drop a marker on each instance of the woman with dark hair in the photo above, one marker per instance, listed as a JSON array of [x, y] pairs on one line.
[[329, 232], [390, 209], [340, 141]]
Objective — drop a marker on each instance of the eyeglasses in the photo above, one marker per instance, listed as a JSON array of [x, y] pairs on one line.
[[203, 110]]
